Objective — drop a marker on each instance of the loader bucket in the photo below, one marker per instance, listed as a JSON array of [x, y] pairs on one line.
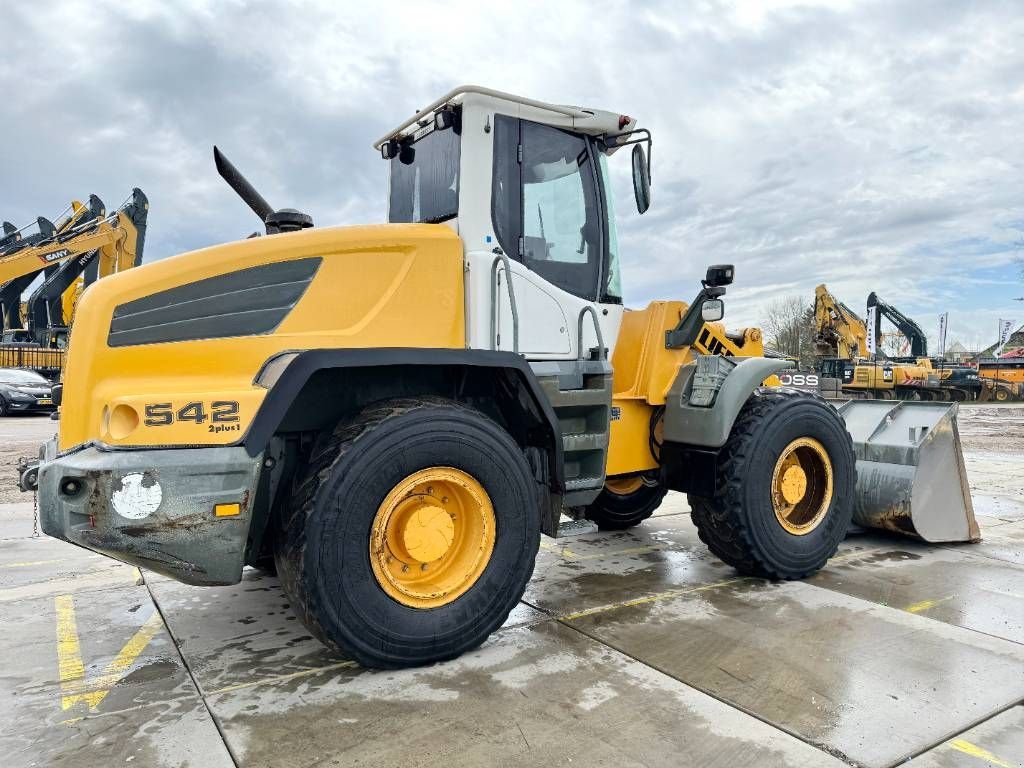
[[911, 477]]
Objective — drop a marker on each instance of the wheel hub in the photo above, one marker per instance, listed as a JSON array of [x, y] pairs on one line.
[[794, 484], [428, 533], [802, 486]]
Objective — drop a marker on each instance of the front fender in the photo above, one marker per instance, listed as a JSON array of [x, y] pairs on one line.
[[707, 395]]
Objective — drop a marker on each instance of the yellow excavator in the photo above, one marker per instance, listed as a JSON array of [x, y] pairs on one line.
[[68, 257], [395, 413], [846, 368]]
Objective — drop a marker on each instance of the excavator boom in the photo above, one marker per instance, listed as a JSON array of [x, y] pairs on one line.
[[84, 246]]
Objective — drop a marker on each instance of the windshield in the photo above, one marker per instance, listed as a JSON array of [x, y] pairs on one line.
[[15, 376], [425, 180]]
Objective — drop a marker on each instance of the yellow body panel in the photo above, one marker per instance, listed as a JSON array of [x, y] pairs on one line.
[[643, 372], [1001, 373], [377, 286]]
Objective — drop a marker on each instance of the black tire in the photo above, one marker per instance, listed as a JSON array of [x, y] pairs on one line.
[[323, 556], [739, 524], [618, 511], [3, 407]]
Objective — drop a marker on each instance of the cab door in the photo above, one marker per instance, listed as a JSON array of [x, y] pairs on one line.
[[550, 214]]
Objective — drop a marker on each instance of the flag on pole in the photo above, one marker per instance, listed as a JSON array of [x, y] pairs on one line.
[[943, 325], [1004, 335], [872, 319]]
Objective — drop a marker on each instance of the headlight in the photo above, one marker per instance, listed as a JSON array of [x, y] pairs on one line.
[[17, 394]]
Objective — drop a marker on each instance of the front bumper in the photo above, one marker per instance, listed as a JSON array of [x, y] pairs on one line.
[[30, 406], [153, 508]]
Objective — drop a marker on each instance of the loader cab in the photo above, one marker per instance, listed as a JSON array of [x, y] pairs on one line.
[[527, 187]]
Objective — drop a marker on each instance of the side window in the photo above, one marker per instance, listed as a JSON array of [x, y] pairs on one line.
[[506, 199], [425, 180], [561, 219]]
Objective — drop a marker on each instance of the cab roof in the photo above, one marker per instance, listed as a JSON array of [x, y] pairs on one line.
[[596, 122]]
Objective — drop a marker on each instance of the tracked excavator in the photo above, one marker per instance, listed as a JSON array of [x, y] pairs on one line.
[[941, 380], [847, 369], [87, 246], [396, 413]]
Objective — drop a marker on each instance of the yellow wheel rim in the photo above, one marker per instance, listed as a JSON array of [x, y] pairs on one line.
[[623, 486], [432, 537], [802, 486]]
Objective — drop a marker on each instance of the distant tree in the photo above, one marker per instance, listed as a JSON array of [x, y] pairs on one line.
[[788, 327]]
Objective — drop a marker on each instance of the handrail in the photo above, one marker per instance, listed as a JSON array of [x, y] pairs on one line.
[[597, 327], [503, 259]]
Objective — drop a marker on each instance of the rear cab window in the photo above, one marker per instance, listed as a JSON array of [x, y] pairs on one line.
[[425, 179]]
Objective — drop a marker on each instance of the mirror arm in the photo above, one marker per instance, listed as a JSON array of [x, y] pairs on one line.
[[686, 331]]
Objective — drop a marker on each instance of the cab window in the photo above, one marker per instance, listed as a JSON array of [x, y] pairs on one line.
[[546, 204], [425, 180]]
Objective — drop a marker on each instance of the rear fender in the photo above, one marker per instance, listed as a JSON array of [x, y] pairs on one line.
[[352, 378]]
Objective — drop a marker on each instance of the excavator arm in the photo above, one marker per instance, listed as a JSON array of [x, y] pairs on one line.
[[911, 330], [839, 332], [88, 244], [118, 238]]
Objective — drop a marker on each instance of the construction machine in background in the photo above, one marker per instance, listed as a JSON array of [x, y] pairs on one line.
[[395, 413], [85, 247], [1003, 378], [846, 369], [942, 380]]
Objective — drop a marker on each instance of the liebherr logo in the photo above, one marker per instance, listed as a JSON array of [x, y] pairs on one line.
[[53, 256]]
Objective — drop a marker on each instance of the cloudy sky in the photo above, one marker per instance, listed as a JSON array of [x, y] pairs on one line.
[[867, 145]]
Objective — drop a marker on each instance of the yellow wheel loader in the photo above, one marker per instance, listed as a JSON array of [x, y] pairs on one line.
[[396, 413]]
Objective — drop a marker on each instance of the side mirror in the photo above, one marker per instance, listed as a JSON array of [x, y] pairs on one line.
[[712, 310], [641, 179]]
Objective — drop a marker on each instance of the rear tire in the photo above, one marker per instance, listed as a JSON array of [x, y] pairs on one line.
[[742, 524], [325, 557], [620, 506]]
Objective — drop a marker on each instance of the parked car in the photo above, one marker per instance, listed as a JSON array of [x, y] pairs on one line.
[[24, 392]]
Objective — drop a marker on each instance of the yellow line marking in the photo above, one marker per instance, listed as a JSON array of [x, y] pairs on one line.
[[73, 684], [69, 654], [565, 552], [666, 595], [927, 605], [28, 563], [962, 745], [284, 678]]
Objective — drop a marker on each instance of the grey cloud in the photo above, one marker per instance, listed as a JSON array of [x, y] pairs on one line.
[[809, 143]]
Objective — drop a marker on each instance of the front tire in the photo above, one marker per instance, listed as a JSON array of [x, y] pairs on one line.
[[784, 488], [625, 502], [412, 534]]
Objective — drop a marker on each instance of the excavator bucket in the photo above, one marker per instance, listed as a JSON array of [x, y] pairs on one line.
[[911, 477]]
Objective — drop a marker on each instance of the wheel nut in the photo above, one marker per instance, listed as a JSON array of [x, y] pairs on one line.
[[423, 567], [405, 569], [444, 499]]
